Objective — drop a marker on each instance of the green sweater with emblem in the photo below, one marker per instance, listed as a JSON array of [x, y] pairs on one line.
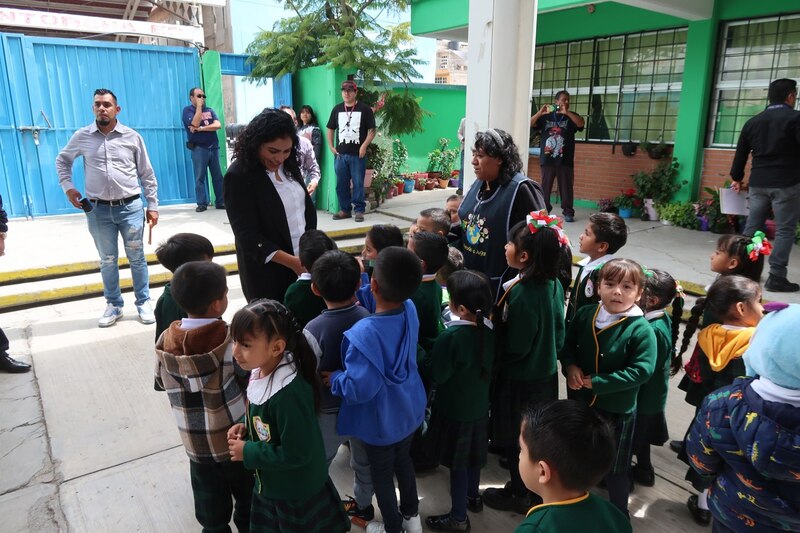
[[653, 394], [285, 444], [304, 304], [587, 514], [531, 331], [428, 302], [462, 392], [578, 297], [620, 358]]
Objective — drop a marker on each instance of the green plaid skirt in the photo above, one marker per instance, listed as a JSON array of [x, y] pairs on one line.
[[623, 426], [322, 513], [509, 398], [457, 445]]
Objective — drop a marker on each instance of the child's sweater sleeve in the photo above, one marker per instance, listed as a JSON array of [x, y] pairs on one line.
[[568, 354], [642, 352], [522, 328], [360, 381], [440, 360]]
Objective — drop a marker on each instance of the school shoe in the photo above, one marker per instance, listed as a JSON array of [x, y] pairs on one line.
[[779, 284], [676, 445], [475, 505], [145, 311], [367, 514], [12, 366], [200, 209], [505, 500], [446, 522], [645, 477], [412, 524], [110, 316], [341, 215], [701, 516]]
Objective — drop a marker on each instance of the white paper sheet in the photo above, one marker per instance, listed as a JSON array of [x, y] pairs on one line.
[[733, 203]]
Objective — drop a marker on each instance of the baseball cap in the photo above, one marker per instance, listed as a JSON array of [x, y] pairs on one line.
[[349, 84]]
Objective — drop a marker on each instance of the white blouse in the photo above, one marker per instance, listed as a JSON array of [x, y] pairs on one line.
[[293, 196]]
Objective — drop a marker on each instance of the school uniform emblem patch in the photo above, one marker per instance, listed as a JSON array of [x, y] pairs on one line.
[[262, 429], [589, 290]]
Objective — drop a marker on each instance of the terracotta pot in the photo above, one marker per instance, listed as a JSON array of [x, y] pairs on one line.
[[399, 190], [443, 183], [430, 185]]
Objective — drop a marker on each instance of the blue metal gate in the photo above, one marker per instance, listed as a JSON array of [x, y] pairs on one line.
[[46, 88]]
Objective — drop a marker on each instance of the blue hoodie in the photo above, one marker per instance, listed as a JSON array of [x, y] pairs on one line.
[[383, 400]]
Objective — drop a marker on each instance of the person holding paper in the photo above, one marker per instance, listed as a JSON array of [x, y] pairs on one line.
[[773, 137]]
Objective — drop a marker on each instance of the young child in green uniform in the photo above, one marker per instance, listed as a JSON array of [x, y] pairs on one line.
[[299, 298], [530, 329], [431, 248], [565, 449], [280, 438], [604, 235], [609, 352], [378, 237], [460, 365], [660, 290]]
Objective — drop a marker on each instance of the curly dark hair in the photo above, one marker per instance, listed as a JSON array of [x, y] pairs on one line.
[[267, 126], [506, 150]]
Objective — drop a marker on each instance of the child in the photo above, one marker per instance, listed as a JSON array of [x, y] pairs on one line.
[[609, 352], [757, 490], [451, 206], [299, 299], [380, 236], [335, 277], [565, 449], [454, 263], [280, 438], [432, 251], [530, 319], [460, 365], [172, 253], [660, 290], [383, 397], [604, 235], [194, 363], [736, 300], [433, 220]]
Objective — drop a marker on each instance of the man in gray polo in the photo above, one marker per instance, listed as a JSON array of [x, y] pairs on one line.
[[115, 161]]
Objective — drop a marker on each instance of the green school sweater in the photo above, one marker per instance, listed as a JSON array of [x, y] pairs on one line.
[[428, 301], [532, 330], [167, 311], [653, 394], [587, 514], [304, 304], [620, 358], [285, 444], [462, 393], [585, 291]]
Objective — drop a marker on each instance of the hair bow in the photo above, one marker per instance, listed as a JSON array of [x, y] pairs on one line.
[[540, 219], [679, 288], [759, 245], [647, 272]]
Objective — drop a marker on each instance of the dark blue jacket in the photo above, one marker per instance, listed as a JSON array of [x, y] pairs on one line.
[[750, 447]]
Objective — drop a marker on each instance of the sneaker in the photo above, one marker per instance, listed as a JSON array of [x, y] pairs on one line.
[[701, 516], [341, 215], [505, 500], [645, 477], [412, 524], [779, 284], [376, 527], [446, 522], [367, 514], [200, 209], [110, 316], [145, 311], [475, 505], [359, 217]]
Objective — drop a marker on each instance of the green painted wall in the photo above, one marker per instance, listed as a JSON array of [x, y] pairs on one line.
[[211, 72], [438, 15], [739, 9]]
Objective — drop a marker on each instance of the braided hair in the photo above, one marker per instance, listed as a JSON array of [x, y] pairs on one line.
[[662, 287]]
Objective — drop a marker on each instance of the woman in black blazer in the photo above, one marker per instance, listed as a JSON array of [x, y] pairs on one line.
[[267, 205]]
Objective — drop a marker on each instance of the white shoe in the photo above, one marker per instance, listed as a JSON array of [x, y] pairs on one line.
[[412, 524], [145, 311], [376, 527], [110, 316]]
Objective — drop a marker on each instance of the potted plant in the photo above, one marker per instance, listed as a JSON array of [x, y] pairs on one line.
[[430, 184], [606, 205], [398, 158], [657, 186], [717, 222], [655, 150], [408, 183], [454, 177], [421, 184], [629, 149], [441, 160], [626, 201], [679, 214]]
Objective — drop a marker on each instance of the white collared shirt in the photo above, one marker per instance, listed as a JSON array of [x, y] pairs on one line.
[[589, 265], [605, 319], [293, 197]]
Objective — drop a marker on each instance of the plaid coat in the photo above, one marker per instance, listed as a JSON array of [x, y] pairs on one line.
[[204, 386]]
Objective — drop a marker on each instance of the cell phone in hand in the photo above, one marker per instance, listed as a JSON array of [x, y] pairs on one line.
[[86, 205]]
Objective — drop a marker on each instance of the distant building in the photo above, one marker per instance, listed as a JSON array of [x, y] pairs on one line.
[[451, 62]]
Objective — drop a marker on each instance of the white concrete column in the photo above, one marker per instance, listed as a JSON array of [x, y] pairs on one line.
[[502, 37]]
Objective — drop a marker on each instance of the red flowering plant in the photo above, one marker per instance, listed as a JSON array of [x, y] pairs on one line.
[[627, 200]]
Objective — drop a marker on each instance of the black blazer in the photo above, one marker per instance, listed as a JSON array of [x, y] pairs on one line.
[[259, 225]]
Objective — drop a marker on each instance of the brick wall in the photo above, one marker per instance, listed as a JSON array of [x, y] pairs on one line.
[[717, 168]]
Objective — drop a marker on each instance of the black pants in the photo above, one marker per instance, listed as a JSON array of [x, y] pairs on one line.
[[566, 180], [213, 484], [386, 462]]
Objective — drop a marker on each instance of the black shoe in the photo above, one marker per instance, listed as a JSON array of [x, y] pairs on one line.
[[505, 500], [359, 217], [645, 477], [364, 513], [676, 445], [503, 461], [220, 206], [475, 505], [200, 209], [701, 516], [12, 366], [341, 215], [778, 284], [445, 522]]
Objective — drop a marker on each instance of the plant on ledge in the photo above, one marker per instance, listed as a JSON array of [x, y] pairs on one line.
[[606, 205], [679, 214], [441, 159], [627, 200], [659, 184]]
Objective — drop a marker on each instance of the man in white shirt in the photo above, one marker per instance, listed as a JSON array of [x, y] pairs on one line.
[[115, 162]]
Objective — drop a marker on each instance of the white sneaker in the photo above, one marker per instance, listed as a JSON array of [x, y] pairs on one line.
[[376, 527], [412, 524], [110, 316], [145, 311]]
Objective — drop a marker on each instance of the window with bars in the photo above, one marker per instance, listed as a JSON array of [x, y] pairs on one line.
[[443, 61], [627, 86], [440, 79], [752, 53]]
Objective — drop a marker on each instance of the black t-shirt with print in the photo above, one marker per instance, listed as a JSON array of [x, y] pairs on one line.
[[351, 126], [558, 139]]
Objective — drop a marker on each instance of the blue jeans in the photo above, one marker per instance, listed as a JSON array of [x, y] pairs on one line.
[[386, 462], [350, 167], [785, 203], [106, 223], [203, 160]]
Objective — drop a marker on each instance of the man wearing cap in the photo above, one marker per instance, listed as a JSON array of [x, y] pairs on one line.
[[355, 124], [201, 127]]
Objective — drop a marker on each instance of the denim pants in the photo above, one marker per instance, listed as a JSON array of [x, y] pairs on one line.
[[106, 223], [203, 160], [350, 167], [362, 480], [385, 462], [785, 203]]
